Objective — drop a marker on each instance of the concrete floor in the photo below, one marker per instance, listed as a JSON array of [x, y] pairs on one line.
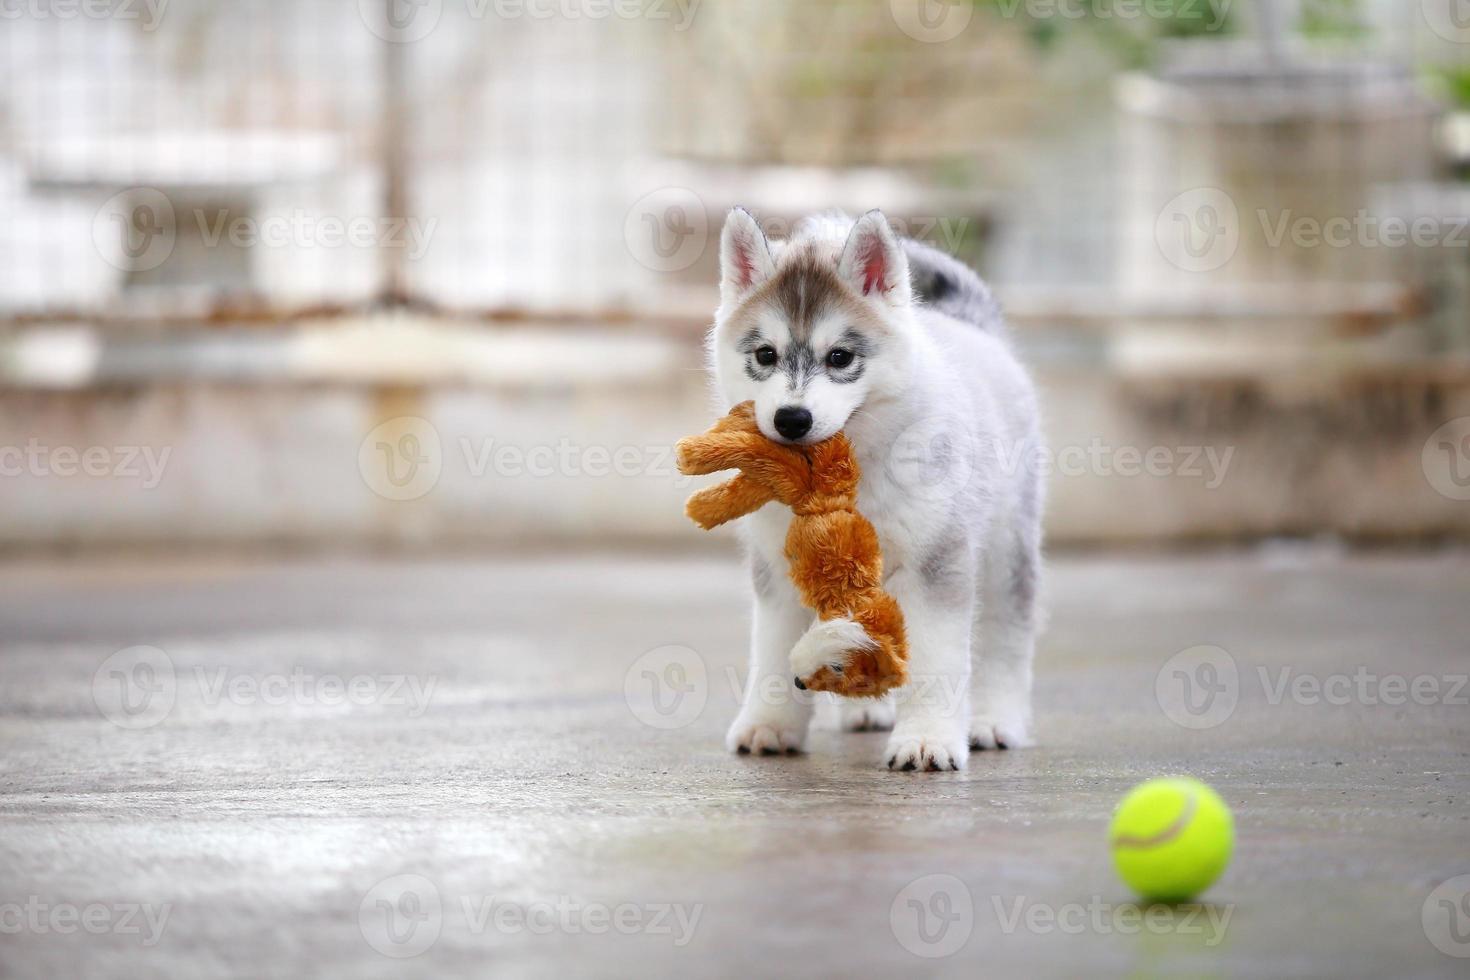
[[514, 816]]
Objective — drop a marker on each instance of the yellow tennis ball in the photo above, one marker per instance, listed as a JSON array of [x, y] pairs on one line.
[[1171, 838]]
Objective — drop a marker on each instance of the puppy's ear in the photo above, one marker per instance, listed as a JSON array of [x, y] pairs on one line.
[[873, 262], [745, 257]]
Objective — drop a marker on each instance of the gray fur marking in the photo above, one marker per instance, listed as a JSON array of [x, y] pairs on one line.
[[760, 575], [947, 285]]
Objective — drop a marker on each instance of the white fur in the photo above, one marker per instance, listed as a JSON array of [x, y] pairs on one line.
[[961, 555]]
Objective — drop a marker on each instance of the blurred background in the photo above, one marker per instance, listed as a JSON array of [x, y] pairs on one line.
[[434, 274]]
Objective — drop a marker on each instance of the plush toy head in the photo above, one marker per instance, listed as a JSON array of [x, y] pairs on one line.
[[832, 549]]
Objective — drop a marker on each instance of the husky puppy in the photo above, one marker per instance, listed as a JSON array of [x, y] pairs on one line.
[[847, 327]]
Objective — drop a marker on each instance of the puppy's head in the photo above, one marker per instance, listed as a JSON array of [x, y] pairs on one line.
[[809, 329]]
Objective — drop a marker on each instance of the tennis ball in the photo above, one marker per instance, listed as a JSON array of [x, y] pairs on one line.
[[1171, 838]]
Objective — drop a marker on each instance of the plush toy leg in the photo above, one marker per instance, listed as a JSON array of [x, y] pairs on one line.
[[837, 568], [872, 661], [736, 497]]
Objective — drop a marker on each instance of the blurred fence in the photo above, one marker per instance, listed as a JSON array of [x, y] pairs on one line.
[[1217, 224], [202, 160]]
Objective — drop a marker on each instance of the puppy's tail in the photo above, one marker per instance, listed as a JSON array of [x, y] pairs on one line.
[[946, 284]]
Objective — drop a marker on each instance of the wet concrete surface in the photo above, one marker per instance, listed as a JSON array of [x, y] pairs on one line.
[[360, 768]]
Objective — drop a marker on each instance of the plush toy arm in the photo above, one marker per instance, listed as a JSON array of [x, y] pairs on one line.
[[713, 451], [736, 442], [736, 497]]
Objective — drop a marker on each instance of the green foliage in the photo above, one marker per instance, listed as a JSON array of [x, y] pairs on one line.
[[1452, 83], [1130, 28], [1333, 20]]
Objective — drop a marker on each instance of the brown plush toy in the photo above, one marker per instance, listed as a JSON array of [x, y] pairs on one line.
[[832, 549]]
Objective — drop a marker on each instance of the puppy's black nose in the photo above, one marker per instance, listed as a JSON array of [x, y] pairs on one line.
[[793, 423]]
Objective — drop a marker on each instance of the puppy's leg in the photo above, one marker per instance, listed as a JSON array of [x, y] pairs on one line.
[[865, 714], [1006, 626], [775, 716], [933, 709]]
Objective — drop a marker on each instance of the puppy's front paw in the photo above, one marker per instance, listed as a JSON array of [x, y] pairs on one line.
[[774, 735], [930, 746]]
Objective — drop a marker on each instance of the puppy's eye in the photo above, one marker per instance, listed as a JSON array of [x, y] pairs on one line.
[[765, 356], [839, 357]]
